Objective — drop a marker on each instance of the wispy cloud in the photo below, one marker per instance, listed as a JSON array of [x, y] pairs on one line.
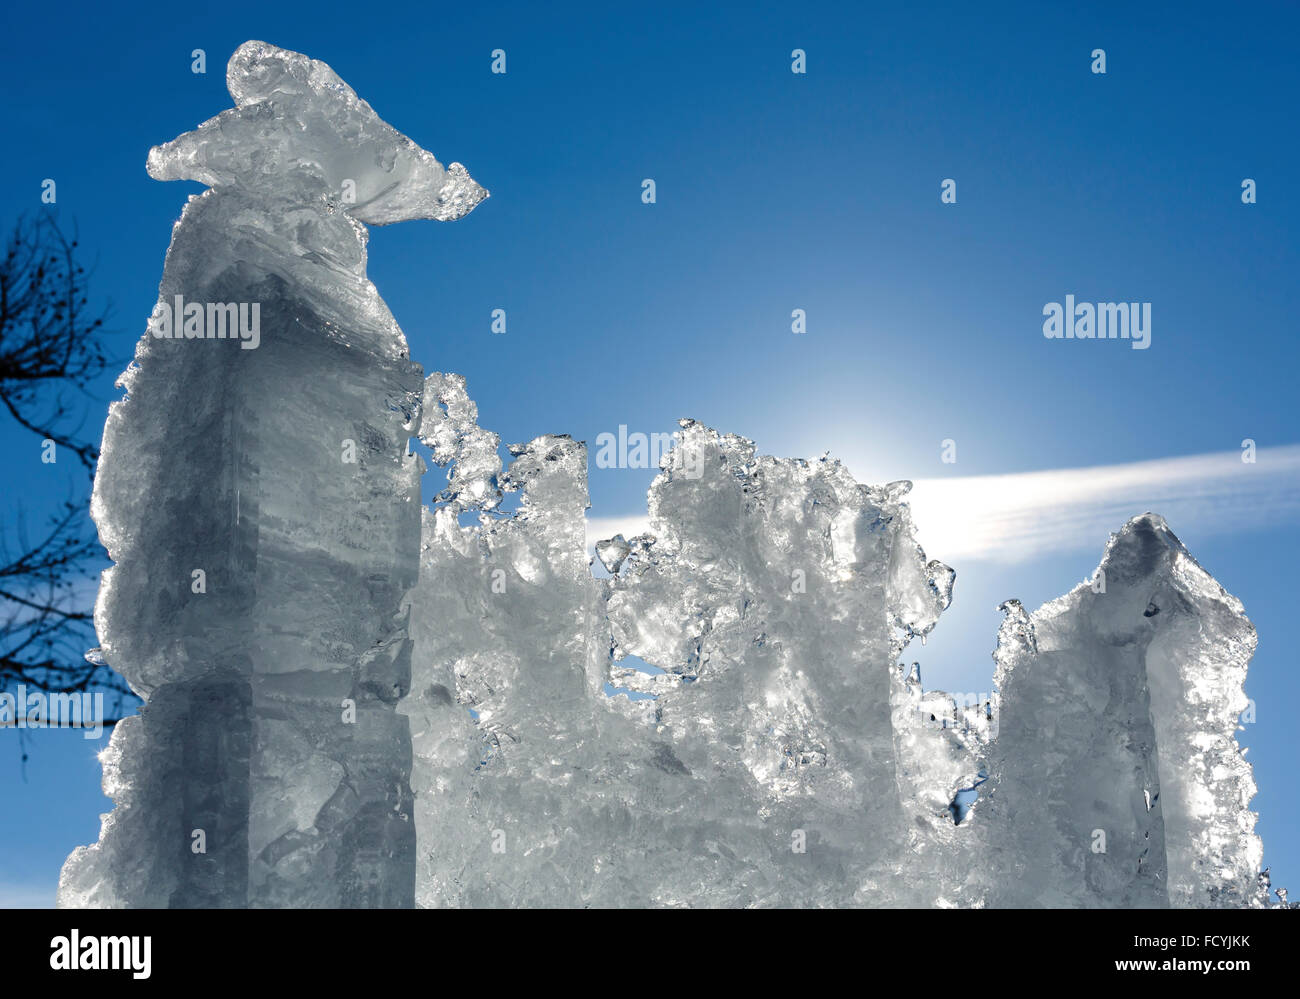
[[1013, 518], [600, 528], [1025, 515]]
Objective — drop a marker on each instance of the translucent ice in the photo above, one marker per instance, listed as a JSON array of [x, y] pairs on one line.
[[299, 137], [512, 748], [353, 700], [1116, 778], [784, 758], [773, 595], [776, 594], [256, 496]]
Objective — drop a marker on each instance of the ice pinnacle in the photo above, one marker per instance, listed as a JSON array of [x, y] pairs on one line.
[[262, 512]]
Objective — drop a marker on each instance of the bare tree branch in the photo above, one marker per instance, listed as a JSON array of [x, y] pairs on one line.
[[52, 347]]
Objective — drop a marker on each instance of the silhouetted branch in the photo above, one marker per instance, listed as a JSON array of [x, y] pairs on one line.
[[51, 345]]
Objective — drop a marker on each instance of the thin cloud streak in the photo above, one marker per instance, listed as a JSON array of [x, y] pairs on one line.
[[1020, 516]]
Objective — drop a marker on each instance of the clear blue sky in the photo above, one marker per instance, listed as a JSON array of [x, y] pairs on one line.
[[775, 192]]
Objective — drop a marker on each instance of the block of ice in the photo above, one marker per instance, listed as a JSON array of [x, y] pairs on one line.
[[776, 595], [773, 594], [352, 700], [516, 798], [1116, 778], [260, 507]]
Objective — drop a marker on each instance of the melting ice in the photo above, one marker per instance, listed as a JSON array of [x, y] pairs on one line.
[[352, 700]]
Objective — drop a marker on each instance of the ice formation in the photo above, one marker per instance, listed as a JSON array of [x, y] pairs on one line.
[[785, 758], [773, 597], [1116, 779], [356, 701], [257, 498]]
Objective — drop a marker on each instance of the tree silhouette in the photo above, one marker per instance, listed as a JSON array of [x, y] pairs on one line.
[[51, 349]]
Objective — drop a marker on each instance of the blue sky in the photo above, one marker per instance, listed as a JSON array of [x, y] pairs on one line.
[[775, 192]]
